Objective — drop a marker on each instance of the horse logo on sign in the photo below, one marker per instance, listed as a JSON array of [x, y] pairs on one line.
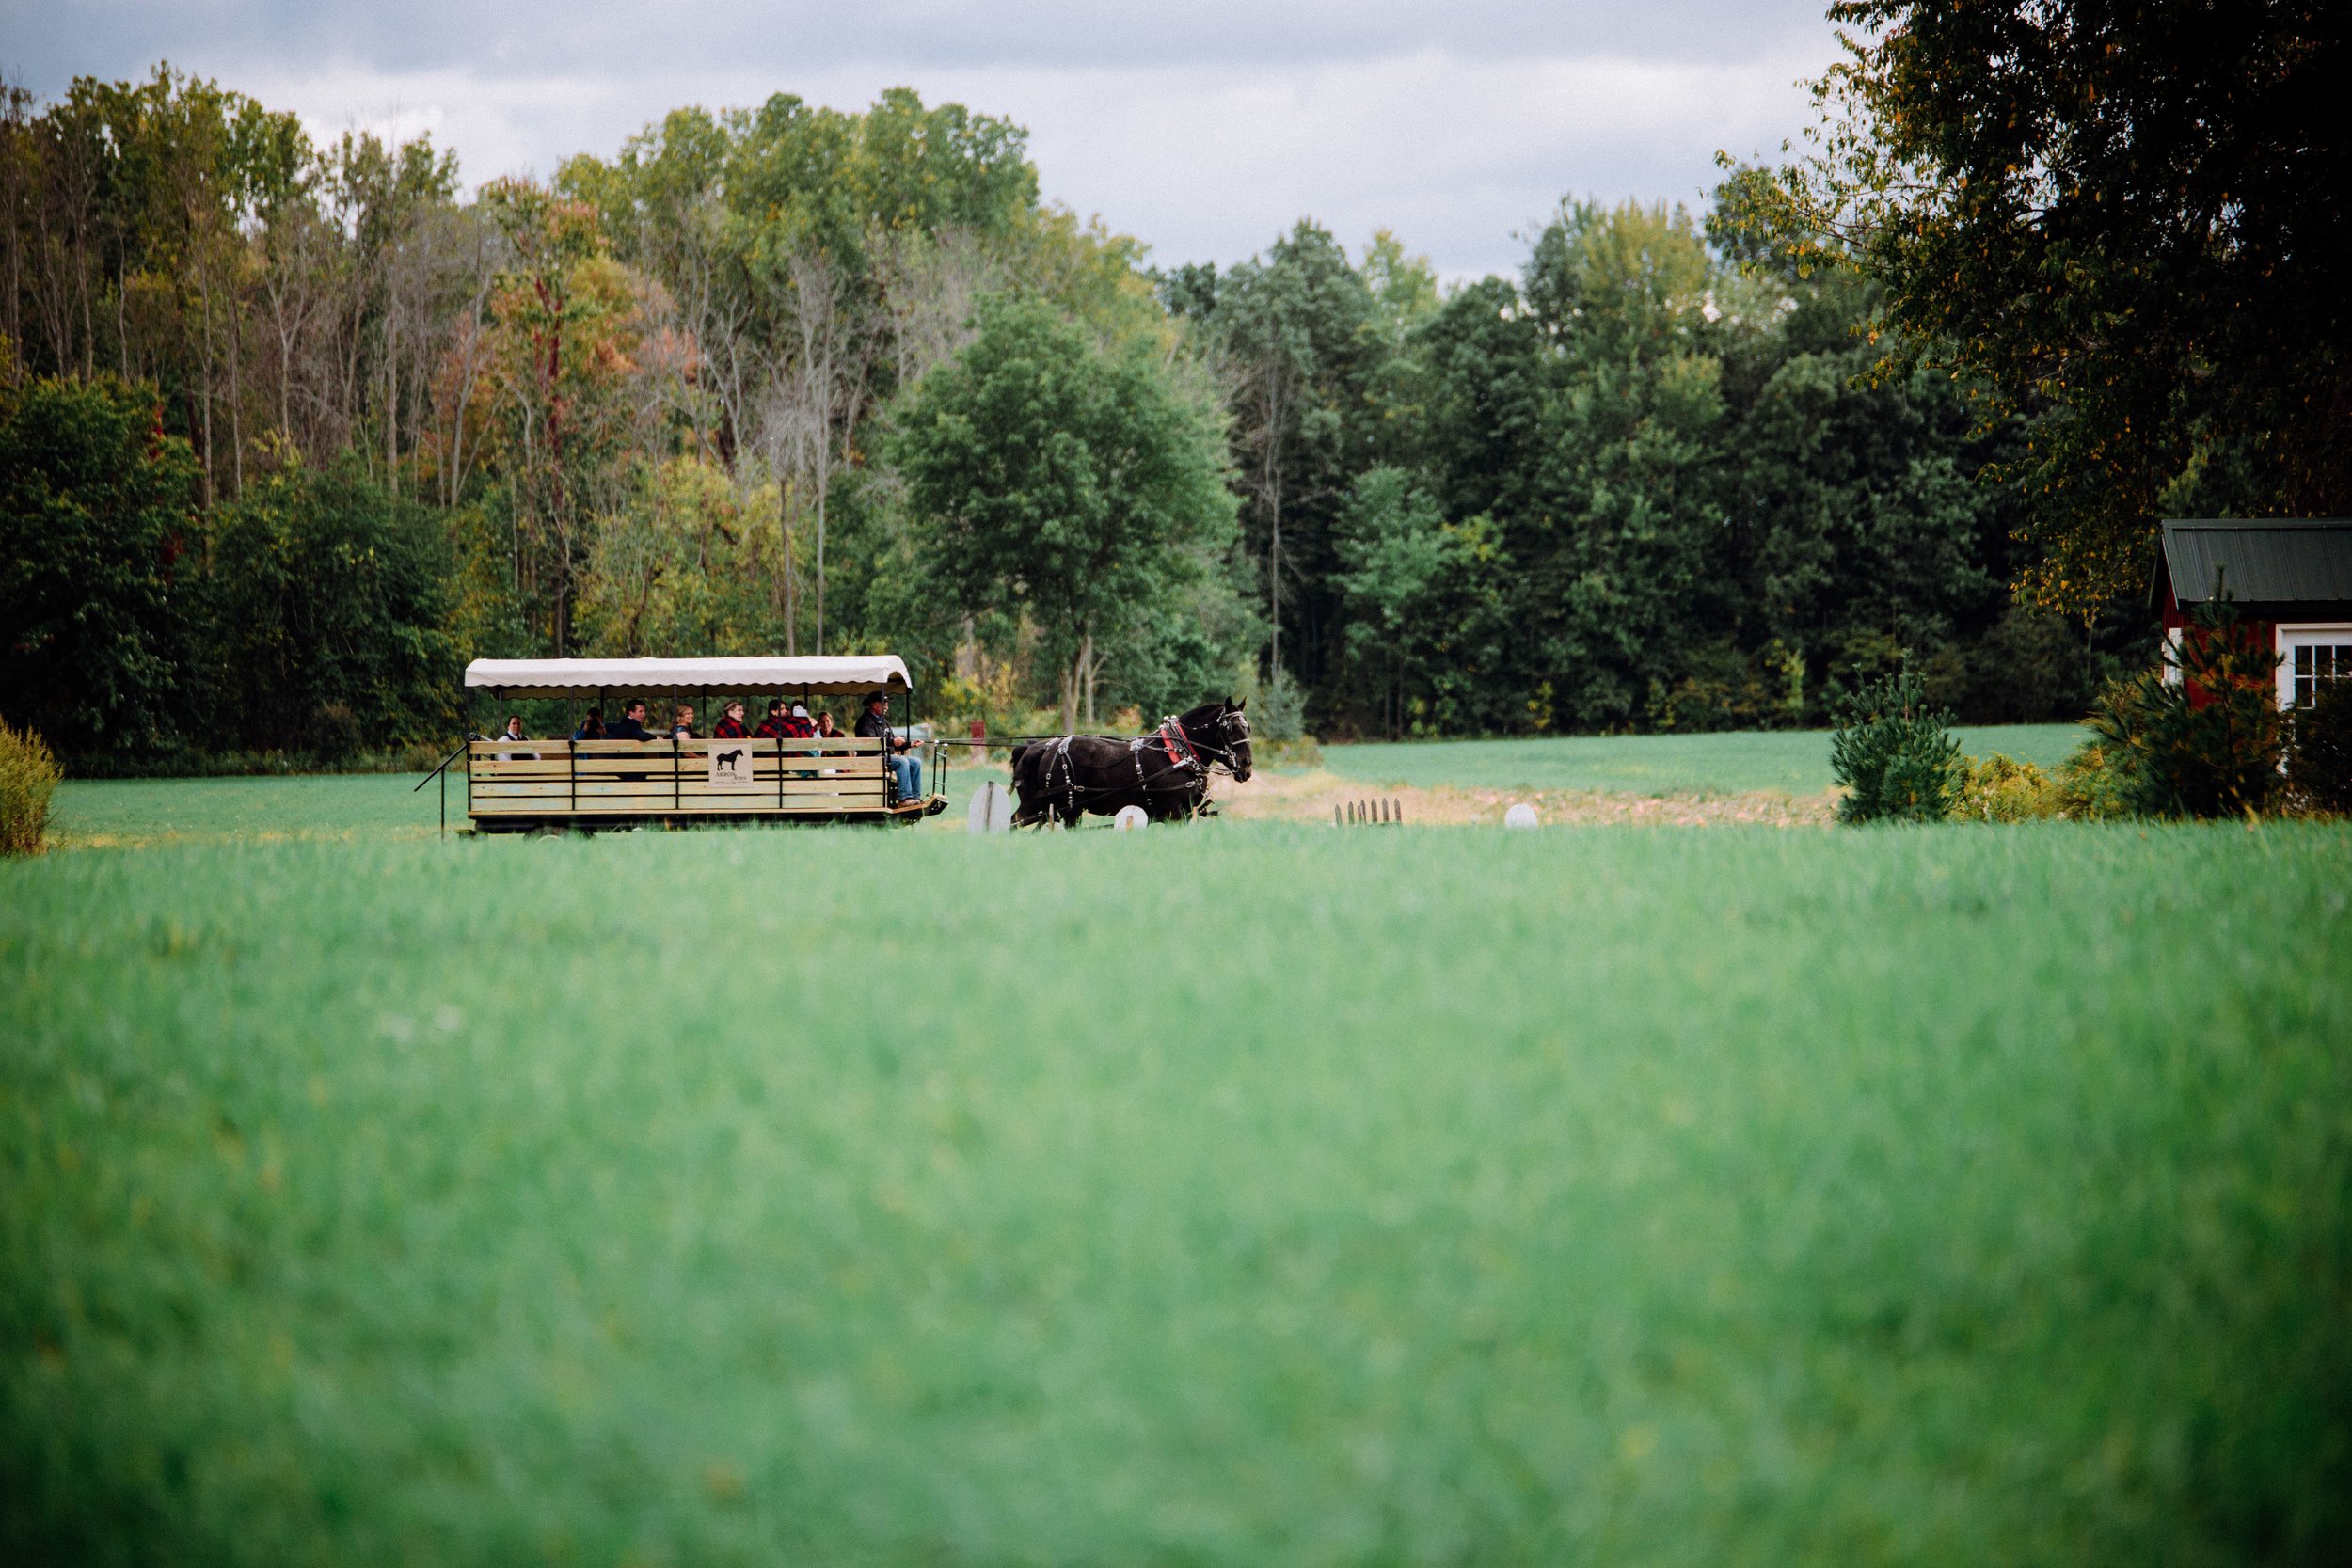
[[731, 765]]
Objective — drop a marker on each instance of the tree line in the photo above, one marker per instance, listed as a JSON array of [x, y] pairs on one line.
[[289, 429]]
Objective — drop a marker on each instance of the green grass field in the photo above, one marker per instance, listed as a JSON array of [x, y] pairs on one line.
[[151, 812], [146, 813], [1795, 762], [351, 808], [1228, 1195]]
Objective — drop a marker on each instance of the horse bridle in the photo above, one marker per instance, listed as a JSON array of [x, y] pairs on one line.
[[1219, 756]]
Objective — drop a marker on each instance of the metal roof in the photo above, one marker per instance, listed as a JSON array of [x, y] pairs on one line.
[[2261, 560]]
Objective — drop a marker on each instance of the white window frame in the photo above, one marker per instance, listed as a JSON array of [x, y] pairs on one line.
[[2303, 634]]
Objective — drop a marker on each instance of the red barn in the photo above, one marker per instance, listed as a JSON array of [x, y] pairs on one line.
[[2291, 581]]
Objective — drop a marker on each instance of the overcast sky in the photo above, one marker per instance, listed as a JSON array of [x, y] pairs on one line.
[[1204, 127]]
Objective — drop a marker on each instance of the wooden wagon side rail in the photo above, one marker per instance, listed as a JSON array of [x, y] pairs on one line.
[[556, 779]]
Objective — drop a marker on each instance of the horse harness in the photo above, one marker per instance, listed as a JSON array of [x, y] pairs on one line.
[[1183, 756]]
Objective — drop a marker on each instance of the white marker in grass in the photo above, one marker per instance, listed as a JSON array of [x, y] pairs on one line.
[[991, 809]]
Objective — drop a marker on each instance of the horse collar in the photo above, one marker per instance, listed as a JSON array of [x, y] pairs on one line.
[[1172, 735]]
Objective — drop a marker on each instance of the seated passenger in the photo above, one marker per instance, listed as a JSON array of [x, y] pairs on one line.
[[592, 727], [513, 731], [730, 725], [682, 723], [874, 724], [801, 728], [630, 725], [828, 730]]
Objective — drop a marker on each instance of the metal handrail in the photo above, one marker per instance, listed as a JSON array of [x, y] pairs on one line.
[[440, 771]]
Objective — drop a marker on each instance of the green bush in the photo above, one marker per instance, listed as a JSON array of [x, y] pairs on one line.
[[94, 502], [1280, 711], [28, 777], [2002, 789], [326, 610], [1305, 752], [2027, 668], [1895, 755], [2208, 741], [2092, 784], [2319, 750]]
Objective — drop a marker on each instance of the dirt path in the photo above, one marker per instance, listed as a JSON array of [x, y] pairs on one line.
[[1311, 795]]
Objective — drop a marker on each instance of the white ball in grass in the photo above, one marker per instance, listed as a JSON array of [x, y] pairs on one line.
[[1521, 815], [1130, 819]]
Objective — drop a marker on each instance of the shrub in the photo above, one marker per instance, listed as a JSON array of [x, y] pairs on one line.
[[1281, 712], [2207, 742], [2002, 789], [326, 603], [1305, 752], [94, 502], [28, 777], [1895, 755], [2319, 750], [2091, 784], [1723, 688], [2027, 668]]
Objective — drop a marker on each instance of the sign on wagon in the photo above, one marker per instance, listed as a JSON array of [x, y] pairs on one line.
[[731, 764]]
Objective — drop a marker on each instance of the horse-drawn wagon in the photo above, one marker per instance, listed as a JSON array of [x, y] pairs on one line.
[[521, 785]]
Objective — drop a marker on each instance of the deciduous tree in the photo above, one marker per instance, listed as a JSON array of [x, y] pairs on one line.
[[1061, 483], [2132, 220]]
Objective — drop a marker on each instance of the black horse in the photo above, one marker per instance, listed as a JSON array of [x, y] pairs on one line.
[[1166, 772]]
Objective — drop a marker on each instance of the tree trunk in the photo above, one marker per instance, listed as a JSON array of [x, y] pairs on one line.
[[1272, 485], [824, 478], [1274, 596], [1085, 674], [236, 396], [204, 293], [791, 599], [391, 402], [1069, 682]]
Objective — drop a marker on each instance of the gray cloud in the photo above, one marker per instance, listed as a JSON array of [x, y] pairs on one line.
[[506, 37], [1205, 130]]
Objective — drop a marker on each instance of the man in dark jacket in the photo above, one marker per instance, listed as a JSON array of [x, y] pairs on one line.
[[630, 725], [874, 724]]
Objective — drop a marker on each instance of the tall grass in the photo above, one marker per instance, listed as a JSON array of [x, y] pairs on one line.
[[28, 779], [1225, 1194]]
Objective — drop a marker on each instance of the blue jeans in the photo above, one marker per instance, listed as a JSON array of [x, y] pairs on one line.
[[910, 777]]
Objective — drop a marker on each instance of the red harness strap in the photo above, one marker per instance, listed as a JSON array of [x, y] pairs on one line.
[[1172, 735]]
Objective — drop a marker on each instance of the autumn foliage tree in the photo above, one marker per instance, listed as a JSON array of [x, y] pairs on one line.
[[568, 325]]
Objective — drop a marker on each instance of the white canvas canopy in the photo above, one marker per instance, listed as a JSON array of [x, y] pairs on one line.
[[835, 675]]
